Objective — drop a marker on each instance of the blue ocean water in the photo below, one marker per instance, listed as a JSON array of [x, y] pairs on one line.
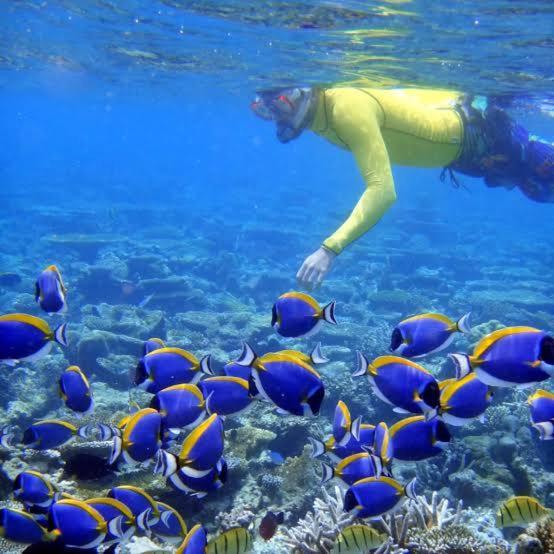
[[129, 157]]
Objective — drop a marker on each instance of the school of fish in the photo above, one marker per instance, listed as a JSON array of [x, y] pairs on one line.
[[181, 431]]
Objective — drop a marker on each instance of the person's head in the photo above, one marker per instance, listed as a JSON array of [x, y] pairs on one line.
[[292, 109]]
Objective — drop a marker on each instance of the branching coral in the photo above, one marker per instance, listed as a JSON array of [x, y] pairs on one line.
[[544, 531], [315, 534]]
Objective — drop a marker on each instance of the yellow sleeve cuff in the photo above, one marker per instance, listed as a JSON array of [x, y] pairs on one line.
[[332, 245]]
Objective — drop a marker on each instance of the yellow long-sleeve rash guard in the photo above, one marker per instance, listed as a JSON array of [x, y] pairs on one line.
[[413, 127]]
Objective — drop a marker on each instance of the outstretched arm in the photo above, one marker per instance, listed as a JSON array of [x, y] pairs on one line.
[[357, 124]]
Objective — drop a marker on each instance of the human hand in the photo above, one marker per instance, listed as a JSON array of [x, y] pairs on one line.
[[315, 268]]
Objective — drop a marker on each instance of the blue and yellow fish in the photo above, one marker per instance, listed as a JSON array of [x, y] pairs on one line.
[[463, 400], [343, 426], [510, 357], [353, 468], [377, 496], [186, 480], [75, 390], [415, 438], [200, 452], [50, 292], [171, 527], [195, 542], [226, 395], [541, 406], [141, 438], [152, 344], [180, 406], [166, 367], [78, 524], [51, 433], [119, 518], [27, 338], [293, 386], [383, 446], [424, 334], [296, 314], [143, 507], [21, 527], [401, 383], [353, 446], [32, 488]]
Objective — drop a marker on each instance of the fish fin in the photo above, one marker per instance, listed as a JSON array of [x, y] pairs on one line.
[[166, 463], [378, 466], [281, 412], [318, 447], [409, 489], [462, 325], [462, 363], [6, 440], [545, 429], [207, 403], [328, 313], [60, 334], [142, 519], [327, 473], [363, 365], [165, 517], [116, 450], [205, 365], [428, 415], [115, 526], [247, 356], [37, 291], [317, 356], [355, 428], [86, 430], [400, 410]]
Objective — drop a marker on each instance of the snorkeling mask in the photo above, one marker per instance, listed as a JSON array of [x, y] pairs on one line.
[[291, 109]]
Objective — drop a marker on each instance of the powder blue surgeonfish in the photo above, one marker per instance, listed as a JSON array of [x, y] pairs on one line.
[[113, 510], [187, 481], [21, 527], [353, 446], [27, 338], [141, 438], [415, 439], [401, 383], [343, 426], [180, 406], [50, 292], [296, 314], [376, 496], [75, 390], [425, 334], [171, 527], [200, 452], [143, 507], [32, 488], [166, 367], [78, 524], [51, 433], [510, 357], [463, 400], [152, 344], [353, 468], [541, 406], [292, 385], [383, 446], [195, 542], [226, 395]]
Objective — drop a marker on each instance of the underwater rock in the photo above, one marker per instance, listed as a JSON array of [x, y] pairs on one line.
[[119, 371], [100, 344], [99, 283], [528, 545], [87, 245], [147, 266], [248, 441], [544, 532], [477, 491]]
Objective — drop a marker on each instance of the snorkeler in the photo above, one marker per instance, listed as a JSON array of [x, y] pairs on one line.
[[411, 127]]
